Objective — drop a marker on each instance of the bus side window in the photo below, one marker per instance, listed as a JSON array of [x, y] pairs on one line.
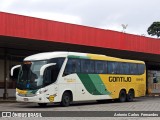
[[73, 66], [118, 68], [125, 68], [100, 67], [133, 68], [141, 68], [111, 68], [121, 69], [52, 72], [50, 75], [87, 66]]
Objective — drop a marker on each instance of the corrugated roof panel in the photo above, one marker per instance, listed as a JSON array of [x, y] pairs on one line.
[[47, 30]]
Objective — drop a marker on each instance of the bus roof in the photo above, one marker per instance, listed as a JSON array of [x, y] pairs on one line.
[[45, 56], [50, 55]]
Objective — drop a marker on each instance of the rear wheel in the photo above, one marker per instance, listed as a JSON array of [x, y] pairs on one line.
[[66, 99], [122, 96], [42, 104], [130, 96]]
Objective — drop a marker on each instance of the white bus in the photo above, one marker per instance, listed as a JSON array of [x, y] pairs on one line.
[[70, 76]]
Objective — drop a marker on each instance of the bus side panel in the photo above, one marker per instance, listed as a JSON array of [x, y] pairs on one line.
[[92, 88], [84, 87], [115, 83], [140, 85], [66, 83]]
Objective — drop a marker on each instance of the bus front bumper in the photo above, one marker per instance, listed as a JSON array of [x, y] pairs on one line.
[[37, 99]]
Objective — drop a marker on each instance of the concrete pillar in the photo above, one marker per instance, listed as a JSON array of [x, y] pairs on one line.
[[5, 94]]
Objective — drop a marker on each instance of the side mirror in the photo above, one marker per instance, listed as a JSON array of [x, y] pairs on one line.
[[44, 67], [13, 68]]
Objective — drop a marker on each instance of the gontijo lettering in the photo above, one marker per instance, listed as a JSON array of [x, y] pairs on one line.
[[119, 79]]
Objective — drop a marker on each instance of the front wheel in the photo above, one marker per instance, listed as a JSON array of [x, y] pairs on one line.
[[66, 99]]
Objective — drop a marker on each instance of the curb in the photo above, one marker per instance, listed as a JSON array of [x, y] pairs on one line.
[[9, 100]]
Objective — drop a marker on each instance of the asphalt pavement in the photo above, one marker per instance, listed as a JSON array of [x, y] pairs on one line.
[[143, 104]]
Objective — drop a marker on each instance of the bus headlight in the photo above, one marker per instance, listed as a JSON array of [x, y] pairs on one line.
[[41, 91]]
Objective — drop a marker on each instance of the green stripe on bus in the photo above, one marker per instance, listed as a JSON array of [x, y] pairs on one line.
[[88, 83], [99, 84], [93, 84]]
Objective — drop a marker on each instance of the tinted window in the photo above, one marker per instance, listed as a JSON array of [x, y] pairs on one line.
[[113, 67], [141, 68], [125, 67], [58, 61], [52, 72], [87, 66], [121, 69], [73, 66], [50, 75], [100, 67], [133, 68], [117, 67]]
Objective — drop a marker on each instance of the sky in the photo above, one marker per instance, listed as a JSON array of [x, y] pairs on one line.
[[138, 15]]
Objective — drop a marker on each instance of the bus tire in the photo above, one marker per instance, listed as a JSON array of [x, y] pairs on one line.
[[130, 96], [42, 104], [66, 99], [122, 96]]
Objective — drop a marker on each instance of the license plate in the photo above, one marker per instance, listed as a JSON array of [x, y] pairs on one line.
[[25, 99]]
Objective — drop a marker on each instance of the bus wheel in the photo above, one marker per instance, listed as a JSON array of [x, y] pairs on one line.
[[130, 96], [122, 96], [42, 104], [66, 99]]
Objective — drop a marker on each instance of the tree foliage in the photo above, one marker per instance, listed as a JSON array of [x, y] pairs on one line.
[[154, 29]]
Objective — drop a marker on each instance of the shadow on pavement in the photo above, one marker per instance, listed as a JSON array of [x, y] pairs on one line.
[[75, 104]]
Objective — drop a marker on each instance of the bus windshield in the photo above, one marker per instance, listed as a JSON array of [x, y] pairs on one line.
[[29, 75]]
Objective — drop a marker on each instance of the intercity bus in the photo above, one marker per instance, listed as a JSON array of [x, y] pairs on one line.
[[65, 77]]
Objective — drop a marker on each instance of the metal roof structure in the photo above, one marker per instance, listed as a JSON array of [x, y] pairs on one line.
[[23, 32]]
